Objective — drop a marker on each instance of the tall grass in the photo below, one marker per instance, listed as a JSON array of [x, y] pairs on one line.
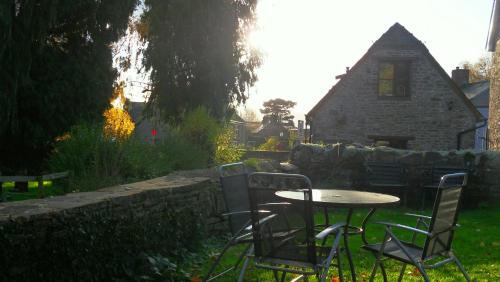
[[96, 161]]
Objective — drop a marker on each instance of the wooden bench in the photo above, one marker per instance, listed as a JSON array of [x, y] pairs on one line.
[[431, 177], [40, 179], [388, 176]]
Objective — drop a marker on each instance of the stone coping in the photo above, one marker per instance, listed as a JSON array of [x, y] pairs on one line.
[[39, 207]]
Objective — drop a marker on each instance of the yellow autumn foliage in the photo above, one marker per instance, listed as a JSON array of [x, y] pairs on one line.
[[117, 122]]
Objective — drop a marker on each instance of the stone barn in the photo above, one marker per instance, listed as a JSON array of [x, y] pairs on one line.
[[397, 95]]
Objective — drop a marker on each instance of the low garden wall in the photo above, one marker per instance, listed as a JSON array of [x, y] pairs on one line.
[[344, 165], [272, 155], [116, 233]]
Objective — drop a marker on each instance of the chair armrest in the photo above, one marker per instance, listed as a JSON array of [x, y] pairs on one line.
[[404, 227], [327, 231], [242, 212], [262, 221], [419, 216], [235, 213], [275, 204]]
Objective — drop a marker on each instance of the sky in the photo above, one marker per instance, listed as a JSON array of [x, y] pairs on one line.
[[306, 43]]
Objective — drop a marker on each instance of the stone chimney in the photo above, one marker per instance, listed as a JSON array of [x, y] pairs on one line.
[[340, 76], [460, 76]]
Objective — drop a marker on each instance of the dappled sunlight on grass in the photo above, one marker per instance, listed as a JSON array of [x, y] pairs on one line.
[[49, 189], [476, 244]]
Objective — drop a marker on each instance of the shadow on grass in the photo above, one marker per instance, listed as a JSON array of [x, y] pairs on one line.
[[476, 244]]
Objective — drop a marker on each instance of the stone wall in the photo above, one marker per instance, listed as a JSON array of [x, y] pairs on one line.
[[344, 166], [494, 111], [95, 236], [273, 155]]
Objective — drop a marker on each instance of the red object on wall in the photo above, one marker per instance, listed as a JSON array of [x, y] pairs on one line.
[[153, 132]]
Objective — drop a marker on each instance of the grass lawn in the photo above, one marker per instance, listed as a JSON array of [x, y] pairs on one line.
[[476, 244], [49, 189]]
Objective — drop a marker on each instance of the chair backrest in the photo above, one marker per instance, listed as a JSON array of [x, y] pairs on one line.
[[444, 214], [438, 171], [386, 173], [234, 184], [289, 235]]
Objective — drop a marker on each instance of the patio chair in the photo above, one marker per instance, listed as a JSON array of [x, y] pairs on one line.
[[432, 178], [439, 231], [286, 243], [233, 179], [388, 177]]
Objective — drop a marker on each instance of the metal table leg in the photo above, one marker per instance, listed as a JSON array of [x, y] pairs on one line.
[[363, 225], [346, 237], [327, 221], [346, 244]]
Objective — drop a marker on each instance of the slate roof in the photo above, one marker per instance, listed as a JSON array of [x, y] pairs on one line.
[[253, 126], [236, 118], [478, 93], [398, 37]]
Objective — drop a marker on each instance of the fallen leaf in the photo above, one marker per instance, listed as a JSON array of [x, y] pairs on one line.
[[415, 272], [196, 279], [334, 279]]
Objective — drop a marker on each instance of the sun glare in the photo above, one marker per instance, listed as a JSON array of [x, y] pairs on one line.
[[305, 44], [117, 103]]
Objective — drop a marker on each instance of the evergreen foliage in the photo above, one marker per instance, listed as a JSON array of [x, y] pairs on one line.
[[278, 111], [196, 54], [55, 70]]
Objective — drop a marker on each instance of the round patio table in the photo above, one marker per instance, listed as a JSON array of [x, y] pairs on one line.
[[349, 199]]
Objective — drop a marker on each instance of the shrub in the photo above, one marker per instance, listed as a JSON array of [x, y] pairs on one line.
[[96, 161], [200, 129], [271, 144], [92, 159], [252, 163], [226, 151]]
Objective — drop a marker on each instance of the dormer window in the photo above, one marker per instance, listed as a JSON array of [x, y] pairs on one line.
[[393, 79]]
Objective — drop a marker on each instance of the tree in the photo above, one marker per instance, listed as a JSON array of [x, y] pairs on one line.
[[278, 110], [480, 70], [55, 70], [197, 56], [117, 122]]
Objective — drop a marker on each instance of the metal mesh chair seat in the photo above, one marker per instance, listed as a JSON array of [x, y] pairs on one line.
[[294, 254], [392, 250]]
